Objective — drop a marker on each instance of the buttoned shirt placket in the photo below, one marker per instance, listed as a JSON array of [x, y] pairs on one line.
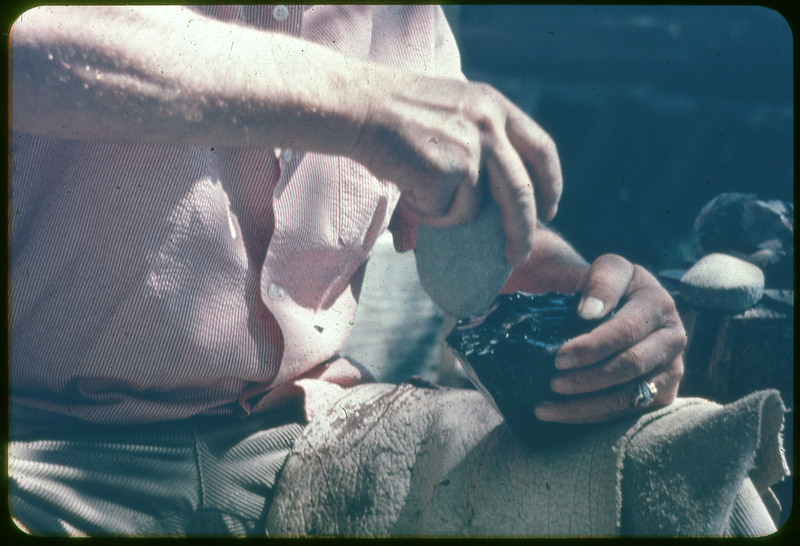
[[289, 20]]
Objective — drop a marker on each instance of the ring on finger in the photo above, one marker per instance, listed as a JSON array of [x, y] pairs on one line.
[[644, 395]]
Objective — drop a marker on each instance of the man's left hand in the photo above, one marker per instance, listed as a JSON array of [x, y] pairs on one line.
[[643, 341]]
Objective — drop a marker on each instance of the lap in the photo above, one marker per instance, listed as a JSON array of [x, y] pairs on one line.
[[408, 460], [405, 460]]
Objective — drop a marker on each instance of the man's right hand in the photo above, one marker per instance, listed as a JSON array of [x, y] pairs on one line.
[[435, 137], [131, 73]]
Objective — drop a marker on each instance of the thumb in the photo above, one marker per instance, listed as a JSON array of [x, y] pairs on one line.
[[606, 283]]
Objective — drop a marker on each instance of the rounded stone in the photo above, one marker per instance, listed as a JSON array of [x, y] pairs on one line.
[[722, 282], [463, 267]]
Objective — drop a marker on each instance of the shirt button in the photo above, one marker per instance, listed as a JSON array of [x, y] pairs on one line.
[[287, 155], [280, 13]]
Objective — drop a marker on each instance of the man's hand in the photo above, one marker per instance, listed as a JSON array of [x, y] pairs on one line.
[[131, 73], [445, 142], [644, 340]]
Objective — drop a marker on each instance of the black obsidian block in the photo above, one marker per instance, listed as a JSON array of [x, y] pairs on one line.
[[508, 352]]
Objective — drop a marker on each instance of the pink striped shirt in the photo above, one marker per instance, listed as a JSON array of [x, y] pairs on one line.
[[155, 282]]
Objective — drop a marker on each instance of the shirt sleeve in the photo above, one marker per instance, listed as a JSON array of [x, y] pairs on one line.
[[447, 56]]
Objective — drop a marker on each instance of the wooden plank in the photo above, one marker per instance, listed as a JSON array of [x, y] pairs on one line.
[[729, 356]]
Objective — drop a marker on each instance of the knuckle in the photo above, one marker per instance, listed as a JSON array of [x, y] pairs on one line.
[[489, 116], [547, 146], [676, 369], [667, 304], [491, 95], [481, 97], [605, 258], [612, 262], [680, 337], [672, 341], [489, 125], [633, 363], [620, 399], [627, 331], [520, 192], [641, 270], [671, 322]]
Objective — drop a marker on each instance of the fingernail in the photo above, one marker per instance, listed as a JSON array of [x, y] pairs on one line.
[[544, 411], [591, 308]]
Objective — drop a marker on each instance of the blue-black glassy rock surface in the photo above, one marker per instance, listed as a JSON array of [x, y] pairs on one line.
[[509, 353]]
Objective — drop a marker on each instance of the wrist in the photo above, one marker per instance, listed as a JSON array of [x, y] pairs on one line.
[[411, 132], [367, 99], [554, 266]]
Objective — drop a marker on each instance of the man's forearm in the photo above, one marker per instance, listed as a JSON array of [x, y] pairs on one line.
[[167, 74], [554, 266]]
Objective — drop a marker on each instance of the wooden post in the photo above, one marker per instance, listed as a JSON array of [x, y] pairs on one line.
[[731, 355]]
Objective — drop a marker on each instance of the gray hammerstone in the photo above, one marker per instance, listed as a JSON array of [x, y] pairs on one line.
[[463, 267]]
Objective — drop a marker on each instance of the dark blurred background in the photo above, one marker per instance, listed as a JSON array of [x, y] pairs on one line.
[[655, 110]]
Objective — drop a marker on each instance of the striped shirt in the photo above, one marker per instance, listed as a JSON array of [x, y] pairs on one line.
[[155, 282]]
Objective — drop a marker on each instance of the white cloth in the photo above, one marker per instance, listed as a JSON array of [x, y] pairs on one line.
[[405, 460]]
